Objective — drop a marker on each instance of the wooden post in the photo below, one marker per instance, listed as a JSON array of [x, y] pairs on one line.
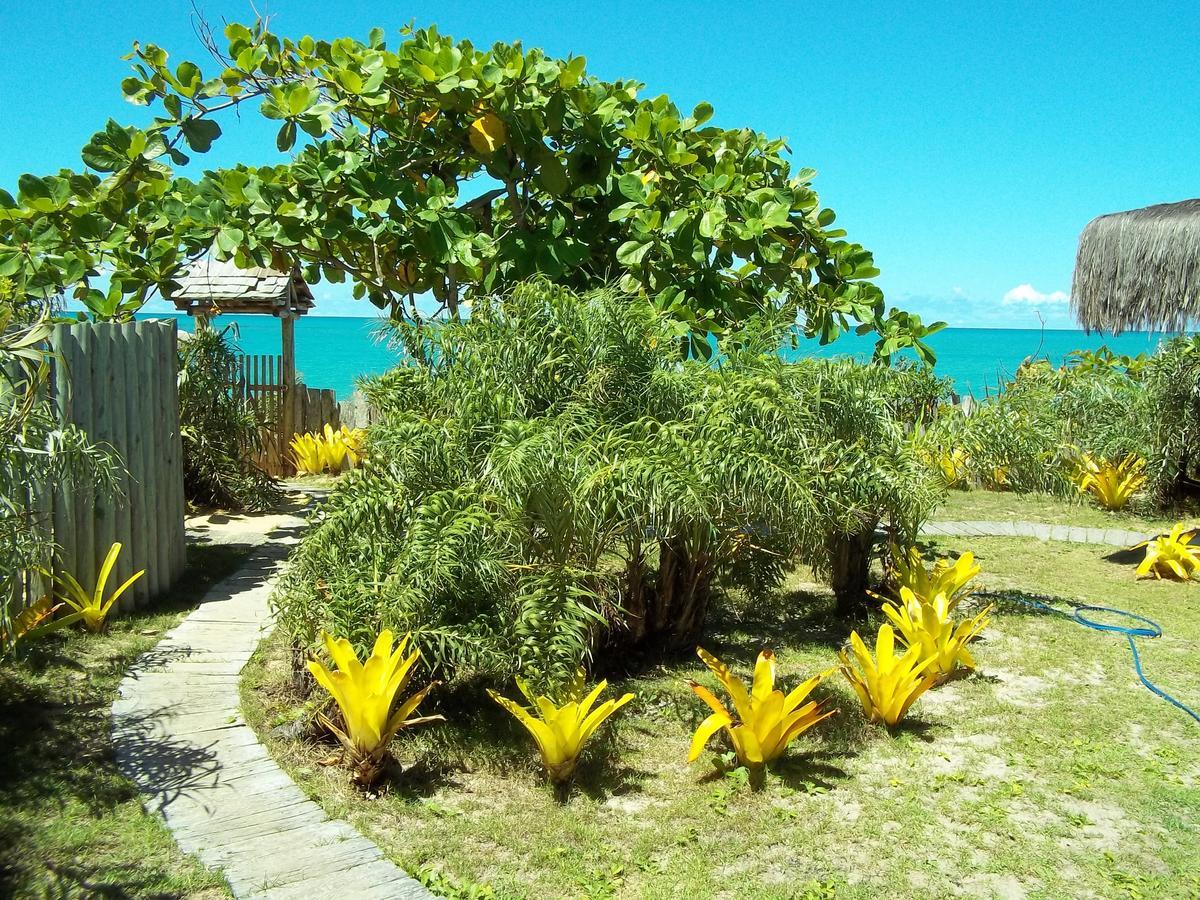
[[177, 531], [287, 425], [65, 510], [140, 456], [103, 403], [117, 388]]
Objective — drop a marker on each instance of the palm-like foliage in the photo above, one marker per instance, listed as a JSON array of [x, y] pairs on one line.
[[219, 429], [37, 453], [552, 466]]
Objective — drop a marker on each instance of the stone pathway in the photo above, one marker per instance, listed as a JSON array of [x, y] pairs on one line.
[[1111, 537], [180, 736]]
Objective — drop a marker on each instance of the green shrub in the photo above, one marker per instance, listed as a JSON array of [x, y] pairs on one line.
[[551, 480], [1172, 379], [220, 430], [1098, 403], [36, 454]]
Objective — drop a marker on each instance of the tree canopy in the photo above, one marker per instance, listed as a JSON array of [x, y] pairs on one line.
[[434, 166]]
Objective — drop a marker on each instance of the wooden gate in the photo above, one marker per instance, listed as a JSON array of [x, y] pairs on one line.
[[258, 379]]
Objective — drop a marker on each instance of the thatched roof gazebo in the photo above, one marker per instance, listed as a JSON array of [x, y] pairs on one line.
[[1140, 270]]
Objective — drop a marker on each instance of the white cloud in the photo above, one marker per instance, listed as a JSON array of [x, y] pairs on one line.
[[1028, 294]]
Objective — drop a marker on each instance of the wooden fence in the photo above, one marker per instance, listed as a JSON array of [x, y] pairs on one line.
[[118, 383], [282, 413], [356, 412]]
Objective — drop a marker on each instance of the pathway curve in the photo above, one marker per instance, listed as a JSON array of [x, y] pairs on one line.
[[1111, 537], [180, 736]]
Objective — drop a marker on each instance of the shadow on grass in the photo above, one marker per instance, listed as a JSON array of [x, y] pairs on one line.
[[60, 778], [1126, 556], [1026, 603], [795, 618]]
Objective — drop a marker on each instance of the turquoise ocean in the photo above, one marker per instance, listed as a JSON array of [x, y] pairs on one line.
[[333, 352]]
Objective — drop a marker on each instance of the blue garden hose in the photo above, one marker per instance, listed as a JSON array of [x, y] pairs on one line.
[[1147, 629]]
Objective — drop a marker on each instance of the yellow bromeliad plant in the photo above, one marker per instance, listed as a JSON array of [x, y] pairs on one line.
[[366, 694], [951, 580], [306, 454], [34, 620], [954, 465], [561, 731], [1171, 555], [329, 451], [928, 626], [353, 439], [1111, 483], [764, 720], [92, 607], [888, 684]]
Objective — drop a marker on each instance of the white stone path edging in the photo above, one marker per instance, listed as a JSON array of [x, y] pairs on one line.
[[1110, 537], [179, 735]]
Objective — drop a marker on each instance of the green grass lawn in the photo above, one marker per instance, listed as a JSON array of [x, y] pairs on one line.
[[1049, 773], [70, 824], [980, 505]]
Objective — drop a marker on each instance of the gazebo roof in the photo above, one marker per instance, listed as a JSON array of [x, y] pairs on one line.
[[1140, 270], [212, 286]]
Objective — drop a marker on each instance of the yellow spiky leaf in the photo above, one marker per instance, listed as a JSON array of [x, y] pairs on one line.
[[365, 694], [765, 720], [560, 732]]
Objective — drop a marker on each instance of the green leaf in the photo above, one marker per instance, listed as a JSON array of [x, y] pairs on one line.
[[134, 90], [229, 239], [632, 252], [235, 31], [702, 113], [10, 262], [552, 176], [630, 185], [200, 133], [572, 72], [711, 222], [31, 187], [286, 138], [189, 78]]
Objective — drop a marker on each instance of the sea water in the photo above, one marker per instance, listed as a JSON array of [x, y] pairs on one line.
[[334, 352]]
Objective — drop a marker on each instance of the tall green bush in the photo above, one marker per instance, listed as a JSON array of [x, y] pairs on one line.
[[1172, 378], [551, 480], [1028, 436], [37, 453], [220, 429]]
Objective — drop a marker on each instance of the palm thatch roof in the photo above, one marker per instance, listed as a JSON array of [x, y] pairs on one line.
[[1140, 270], [211, 286]]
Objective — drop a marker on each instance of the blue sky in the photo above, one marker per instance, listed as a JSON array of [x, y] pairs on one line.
[[965, 144]]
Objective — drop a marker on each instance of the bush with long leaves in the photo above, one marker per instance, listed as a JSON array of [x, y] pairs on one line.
[[219, 428], [1031, 435], [550, 477], [37, 453]]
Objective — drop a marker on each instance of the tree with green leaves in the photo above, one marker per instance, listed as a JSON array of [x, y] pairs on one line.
[[433, 166]]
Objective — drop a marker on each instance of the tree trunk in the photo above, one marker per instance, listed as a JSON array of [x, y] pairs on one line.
[[665, 613], [636, 591], [680, 604], [849, 568]]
